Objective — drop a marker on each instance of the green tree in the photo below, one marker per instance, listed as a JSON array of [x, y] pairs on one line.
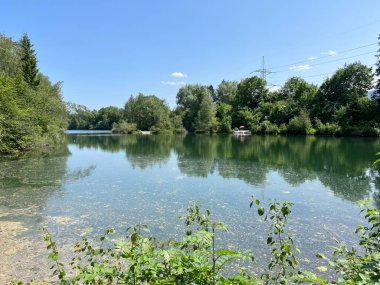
[[212, 92], [189, 99], [250, 92], [294, 97], [176, 119], [32, 113], [298, 93], [224, 116], [106, 117], [80, 117], [205, 122], [347, 85], [245, 116], [148, 112], [49, 109], [16, 129], [376, 93], [10, 56], [29, 61], [226, 91]]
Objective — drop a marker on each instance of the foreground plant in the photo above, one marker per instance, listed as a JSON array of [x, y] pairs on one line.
[[283, 252], [355, 266], [140, 258]]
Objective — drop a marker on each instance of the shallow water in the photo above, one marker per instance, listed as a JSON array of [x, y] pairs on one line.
[[101, 180]]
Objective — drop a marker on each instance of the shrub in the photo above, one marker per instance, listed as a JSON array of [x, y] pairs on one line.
[[267, 127], [300, 124], [225, 125], [311, 131], [123, 127], [328, 128], [369, 128], [283, 128]]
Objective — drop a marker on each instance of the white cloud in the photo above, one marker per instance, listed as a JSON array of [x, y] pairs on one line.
[[179, 75], [173, 83], [300, 67], [311, 58], [330, 53]]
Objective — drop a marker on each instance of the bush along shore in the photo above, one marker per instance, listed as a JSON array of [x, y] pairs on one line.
[[140, 258]]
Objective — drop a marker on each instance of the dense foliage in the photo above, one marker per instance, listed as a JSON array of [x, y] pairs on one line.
[[29, 62], [376, 93], [148, 113], [82, 118], [195, 104], [32, 112], [140, 113], [31, 108], [140, 258], [340, 106]]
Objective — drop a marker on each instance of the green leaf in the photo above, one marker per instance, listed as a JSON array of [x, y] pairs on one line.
[[134, 238], [226, 251], [320, 255], [53, 256], [322, 268]]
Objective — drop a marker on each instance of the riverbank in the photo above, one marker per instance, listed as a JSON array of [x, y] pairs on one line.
[[375, 133]]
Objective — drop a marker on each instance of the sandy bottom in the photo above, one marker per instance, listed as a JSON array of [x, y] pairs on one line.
[[24, 257], [18, 255]]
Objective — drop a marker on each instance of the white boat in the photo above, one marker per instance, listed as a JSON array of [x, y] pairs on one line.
[[242, 133]]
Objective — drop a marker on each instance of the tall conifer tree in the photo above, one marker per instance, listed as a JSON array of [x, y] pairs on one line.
[[376, 94], [29, 61]]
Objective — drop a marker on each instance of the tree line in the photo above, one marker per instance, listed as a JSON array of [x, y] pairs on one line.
[[341, 105], [32, 112]]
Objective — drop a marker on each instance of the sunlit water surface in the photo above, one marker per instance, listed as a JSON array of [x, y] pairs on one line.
[[101, 180]]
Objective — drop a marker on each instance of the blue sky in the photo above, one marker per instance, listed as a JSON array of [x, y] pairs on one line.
[[104, 51]]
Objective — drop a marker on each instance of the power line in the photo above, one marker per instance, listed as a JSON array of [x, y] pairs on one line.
[[305, 44], [318, 75], [326, 62], [325, 56], [263, 71], [322, 74]]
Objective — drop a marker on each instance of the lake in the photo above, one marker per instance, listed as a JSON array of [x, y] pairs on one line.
[[99, 180]]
